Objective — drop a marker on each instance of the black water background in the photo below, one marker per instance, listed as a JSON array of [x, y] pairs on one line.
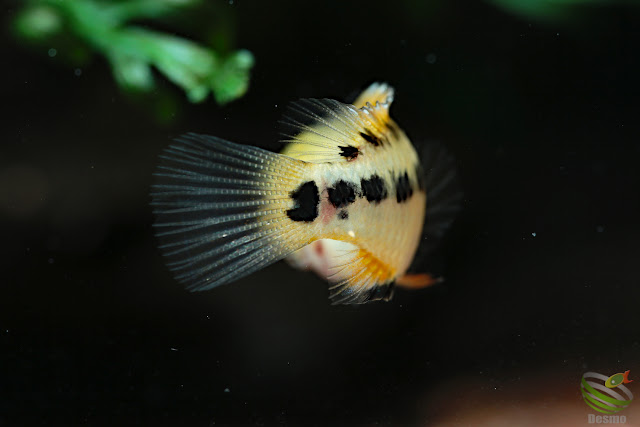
[[542, 119]]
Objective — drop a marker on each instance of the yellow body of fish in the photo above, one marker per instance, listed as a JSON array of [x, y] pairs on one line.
[[346, 198]]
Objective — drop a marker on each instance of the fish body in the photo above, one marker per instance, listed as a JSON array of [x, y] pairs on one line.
[[616, 379], [346, 198]]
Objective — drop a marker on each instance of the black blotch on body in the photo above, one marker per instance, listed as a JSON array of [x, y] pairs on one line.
[[374, 189], [349, 152], [306, 200], [342, 194], [370, 138], [343, 214], [403, 188]]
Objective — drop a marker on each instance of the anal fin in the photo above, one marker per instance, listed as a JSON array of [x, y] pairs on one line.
[[368, 280]]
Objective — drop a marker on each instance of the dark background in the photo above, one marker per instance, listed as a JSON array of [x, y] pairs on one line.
[[541, 266]]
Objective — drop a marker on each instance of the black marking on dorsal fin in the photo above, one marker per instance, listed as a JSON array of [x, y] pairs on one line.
[[368, 136], [323, 131], [349, 152], [306, 200]]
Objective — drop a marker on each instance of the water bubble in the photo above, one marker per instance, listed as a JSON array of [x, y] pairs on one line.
[[52, 52]]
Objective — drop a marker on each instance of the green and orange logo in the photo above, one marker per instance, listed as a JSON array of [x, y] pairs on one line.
[[605, 394]]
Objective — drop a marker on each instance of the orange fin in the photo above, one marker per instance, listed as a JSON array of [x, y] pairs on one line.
[[376, 93], [417, 281], [369, 279]]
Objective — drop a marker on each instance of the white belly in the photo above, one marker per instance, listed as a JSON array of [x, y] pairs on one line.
[[325, 257]]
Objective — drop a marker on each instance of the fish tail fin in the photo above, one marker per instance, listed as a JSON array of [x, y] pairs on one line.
[[226, 210]]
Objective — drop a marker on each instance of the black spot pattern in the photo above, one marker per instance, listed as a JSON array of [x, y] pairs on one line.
[[370, 138], [403, 188], [349, 152], [343, 214], [342, 194], [374, 189], [306, 200]]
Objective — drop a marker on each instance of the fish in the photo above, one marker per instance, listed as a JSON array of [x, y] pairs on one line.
[[616, 379], [346, 198]]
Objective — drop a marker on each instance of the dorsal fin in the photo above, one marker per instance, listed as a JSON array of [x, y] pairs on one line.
[[376, 93], [325, 130]]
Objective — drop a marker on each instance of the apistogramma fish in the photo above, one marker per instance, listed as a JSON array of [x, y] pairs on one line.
[[346, 198]]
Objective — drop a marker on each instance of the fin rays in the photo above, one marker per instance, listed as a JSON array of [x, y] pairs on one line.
[[316, 129], [221, 209], [367, 279]]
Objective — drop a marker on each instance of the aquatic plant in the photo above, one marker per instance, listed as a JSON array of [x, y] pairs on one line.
[[133, 50], [551, 9]]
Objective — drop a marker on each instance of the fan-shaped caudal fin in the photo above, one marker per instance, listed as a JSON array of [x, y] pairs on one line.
[[226, 210]]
